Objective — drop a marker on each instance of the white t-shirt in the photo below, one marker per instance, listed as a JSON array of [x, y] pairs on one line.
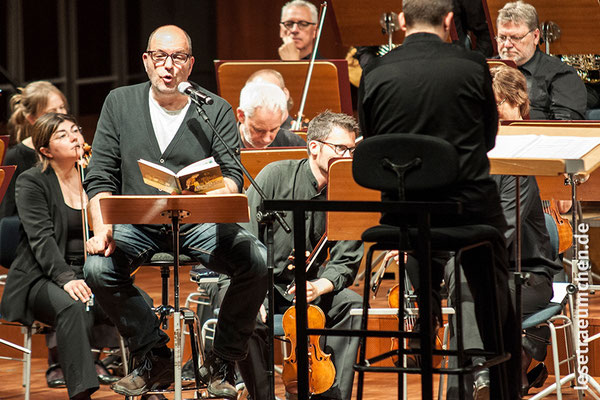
[[165, 123]]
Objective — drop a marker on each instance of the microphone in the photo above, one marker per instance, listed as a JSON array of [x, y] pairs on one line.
[[187, 89]]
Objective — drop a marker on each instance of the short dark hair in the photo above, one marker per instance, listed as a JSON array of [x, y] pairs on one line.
[[321, 126], [429, 12], [42, 132]]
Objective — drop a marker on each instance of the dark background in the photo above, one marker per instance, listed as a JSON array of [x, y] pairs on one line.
[[86, 48]]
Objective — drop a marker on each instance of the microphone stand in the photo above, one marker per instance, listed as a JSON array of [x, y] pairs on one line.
[[266, 218]]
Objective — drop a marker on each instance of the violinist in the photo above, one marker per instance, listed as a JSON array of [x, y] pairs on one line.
[[45, 282], [298, 30], [330, 135]]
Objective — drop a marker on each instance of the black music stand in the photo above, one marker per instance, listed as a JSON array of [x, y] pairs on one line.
[[170, 209]]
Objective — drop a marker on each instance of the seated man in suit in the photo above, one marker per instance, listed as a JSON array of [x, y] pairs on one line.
[[555, 89], [330, 135], [260, 115]]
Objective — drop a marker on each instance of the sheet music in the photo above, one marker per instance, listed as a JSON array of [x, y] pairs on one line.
[[541, 146]]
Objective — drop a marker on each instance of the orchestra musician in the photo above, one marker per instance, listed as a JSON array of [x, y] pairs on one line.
[[153, 121], [430, 87], [34, 100], [330, 135], [555, 90], [45, 281], [298, 30], [260, 114], [272, 76]]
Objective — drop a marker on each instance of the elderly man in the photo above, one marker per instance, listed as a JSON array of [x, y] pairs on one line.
[[260, 115], [298, 29], [153, 121], [430, 87], [274, 77], [555, 89], [329, 135]]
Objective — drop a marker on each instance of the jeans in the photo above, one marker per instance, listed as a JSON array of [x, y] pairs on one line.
[[224, 248]]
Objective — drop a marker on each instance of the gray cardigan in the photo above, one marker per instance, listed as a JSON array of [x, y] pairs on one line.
[[125, 134]]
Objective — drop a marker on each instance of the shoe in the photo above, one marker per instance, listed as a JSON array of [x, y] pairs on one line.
[[219, 376], [481, 385], [535, 378], [55, 377], [104, 377], [152, 373], [187, 371]]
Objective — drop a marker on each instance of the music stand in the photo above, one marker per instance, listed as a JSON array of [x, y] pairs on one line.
[[256, 159], [170, 209], [3, 147], [6, 174]]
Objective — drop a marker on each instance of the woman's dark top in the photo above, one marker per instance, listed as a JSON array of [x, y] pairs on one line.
[[24, 158]]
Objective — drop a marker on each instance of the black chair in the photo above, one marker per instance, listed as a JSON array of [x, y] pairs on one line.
[[408, 166]]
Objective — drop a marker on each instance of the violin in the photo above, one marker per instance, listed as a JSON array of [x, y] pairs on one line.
[[321, 371], [565, 231]]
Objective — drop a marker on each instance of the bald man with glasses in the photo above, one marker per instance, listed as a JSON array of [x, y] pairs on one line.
[[555, 89]]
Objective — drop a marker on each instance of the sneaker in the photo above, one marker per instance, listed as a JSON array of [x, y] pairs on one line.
[[152, 373], [219, 376]]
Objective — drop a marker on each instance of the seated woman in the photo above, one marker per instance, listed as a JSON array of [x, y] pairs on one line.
[[537, 260], [45, 282]]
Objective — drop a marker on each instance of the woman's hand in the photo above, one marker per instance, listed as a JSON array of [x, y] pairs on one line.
[[78, 290]]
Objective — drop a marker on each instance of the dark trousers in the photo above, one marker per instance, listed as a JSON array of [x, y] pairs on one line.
[[482, 206], [535, 296], [225, 248], [73, 325], [343, 350]]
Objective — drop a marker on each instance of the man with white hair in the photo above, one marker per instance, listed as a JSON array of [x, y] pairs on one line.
[[260, 115], [555, 89], [273, 76], [298, 29]]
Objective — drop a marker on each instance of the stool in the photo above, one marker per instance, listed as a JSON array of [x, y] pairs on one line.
[[165, 261], [396, 164]]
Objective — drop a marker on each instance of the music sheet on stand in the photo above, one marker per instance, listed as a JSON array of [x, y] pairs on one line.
[[541, 146]]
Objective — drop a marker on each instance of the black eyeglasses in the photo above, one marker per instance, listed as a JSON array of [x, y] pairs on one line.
[[512, 39], [339, 149], [302, 25], [160, 57]]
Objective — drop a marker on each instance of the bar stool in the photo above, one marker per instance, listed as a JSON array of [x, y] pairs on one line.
[[165, 261], [397, 164]]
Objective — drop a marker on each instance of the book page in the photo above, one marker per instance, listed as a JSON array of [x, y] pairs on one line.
[[198, 166], [541, 146]]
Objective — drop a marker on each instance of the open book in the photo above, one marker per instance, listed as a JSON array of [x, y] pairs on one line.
[[200, 177]]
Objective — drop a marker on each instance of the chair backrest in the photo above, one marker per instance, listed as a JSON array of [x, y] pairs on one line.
[[422, 163], [9, 239]]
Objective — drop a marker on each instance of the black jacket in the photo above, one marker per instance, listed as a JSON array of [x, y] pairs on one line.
[[41, 250]]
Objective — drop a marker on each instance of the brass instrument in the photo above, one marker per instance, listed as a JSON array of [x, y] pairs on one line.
[[586, 65]]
